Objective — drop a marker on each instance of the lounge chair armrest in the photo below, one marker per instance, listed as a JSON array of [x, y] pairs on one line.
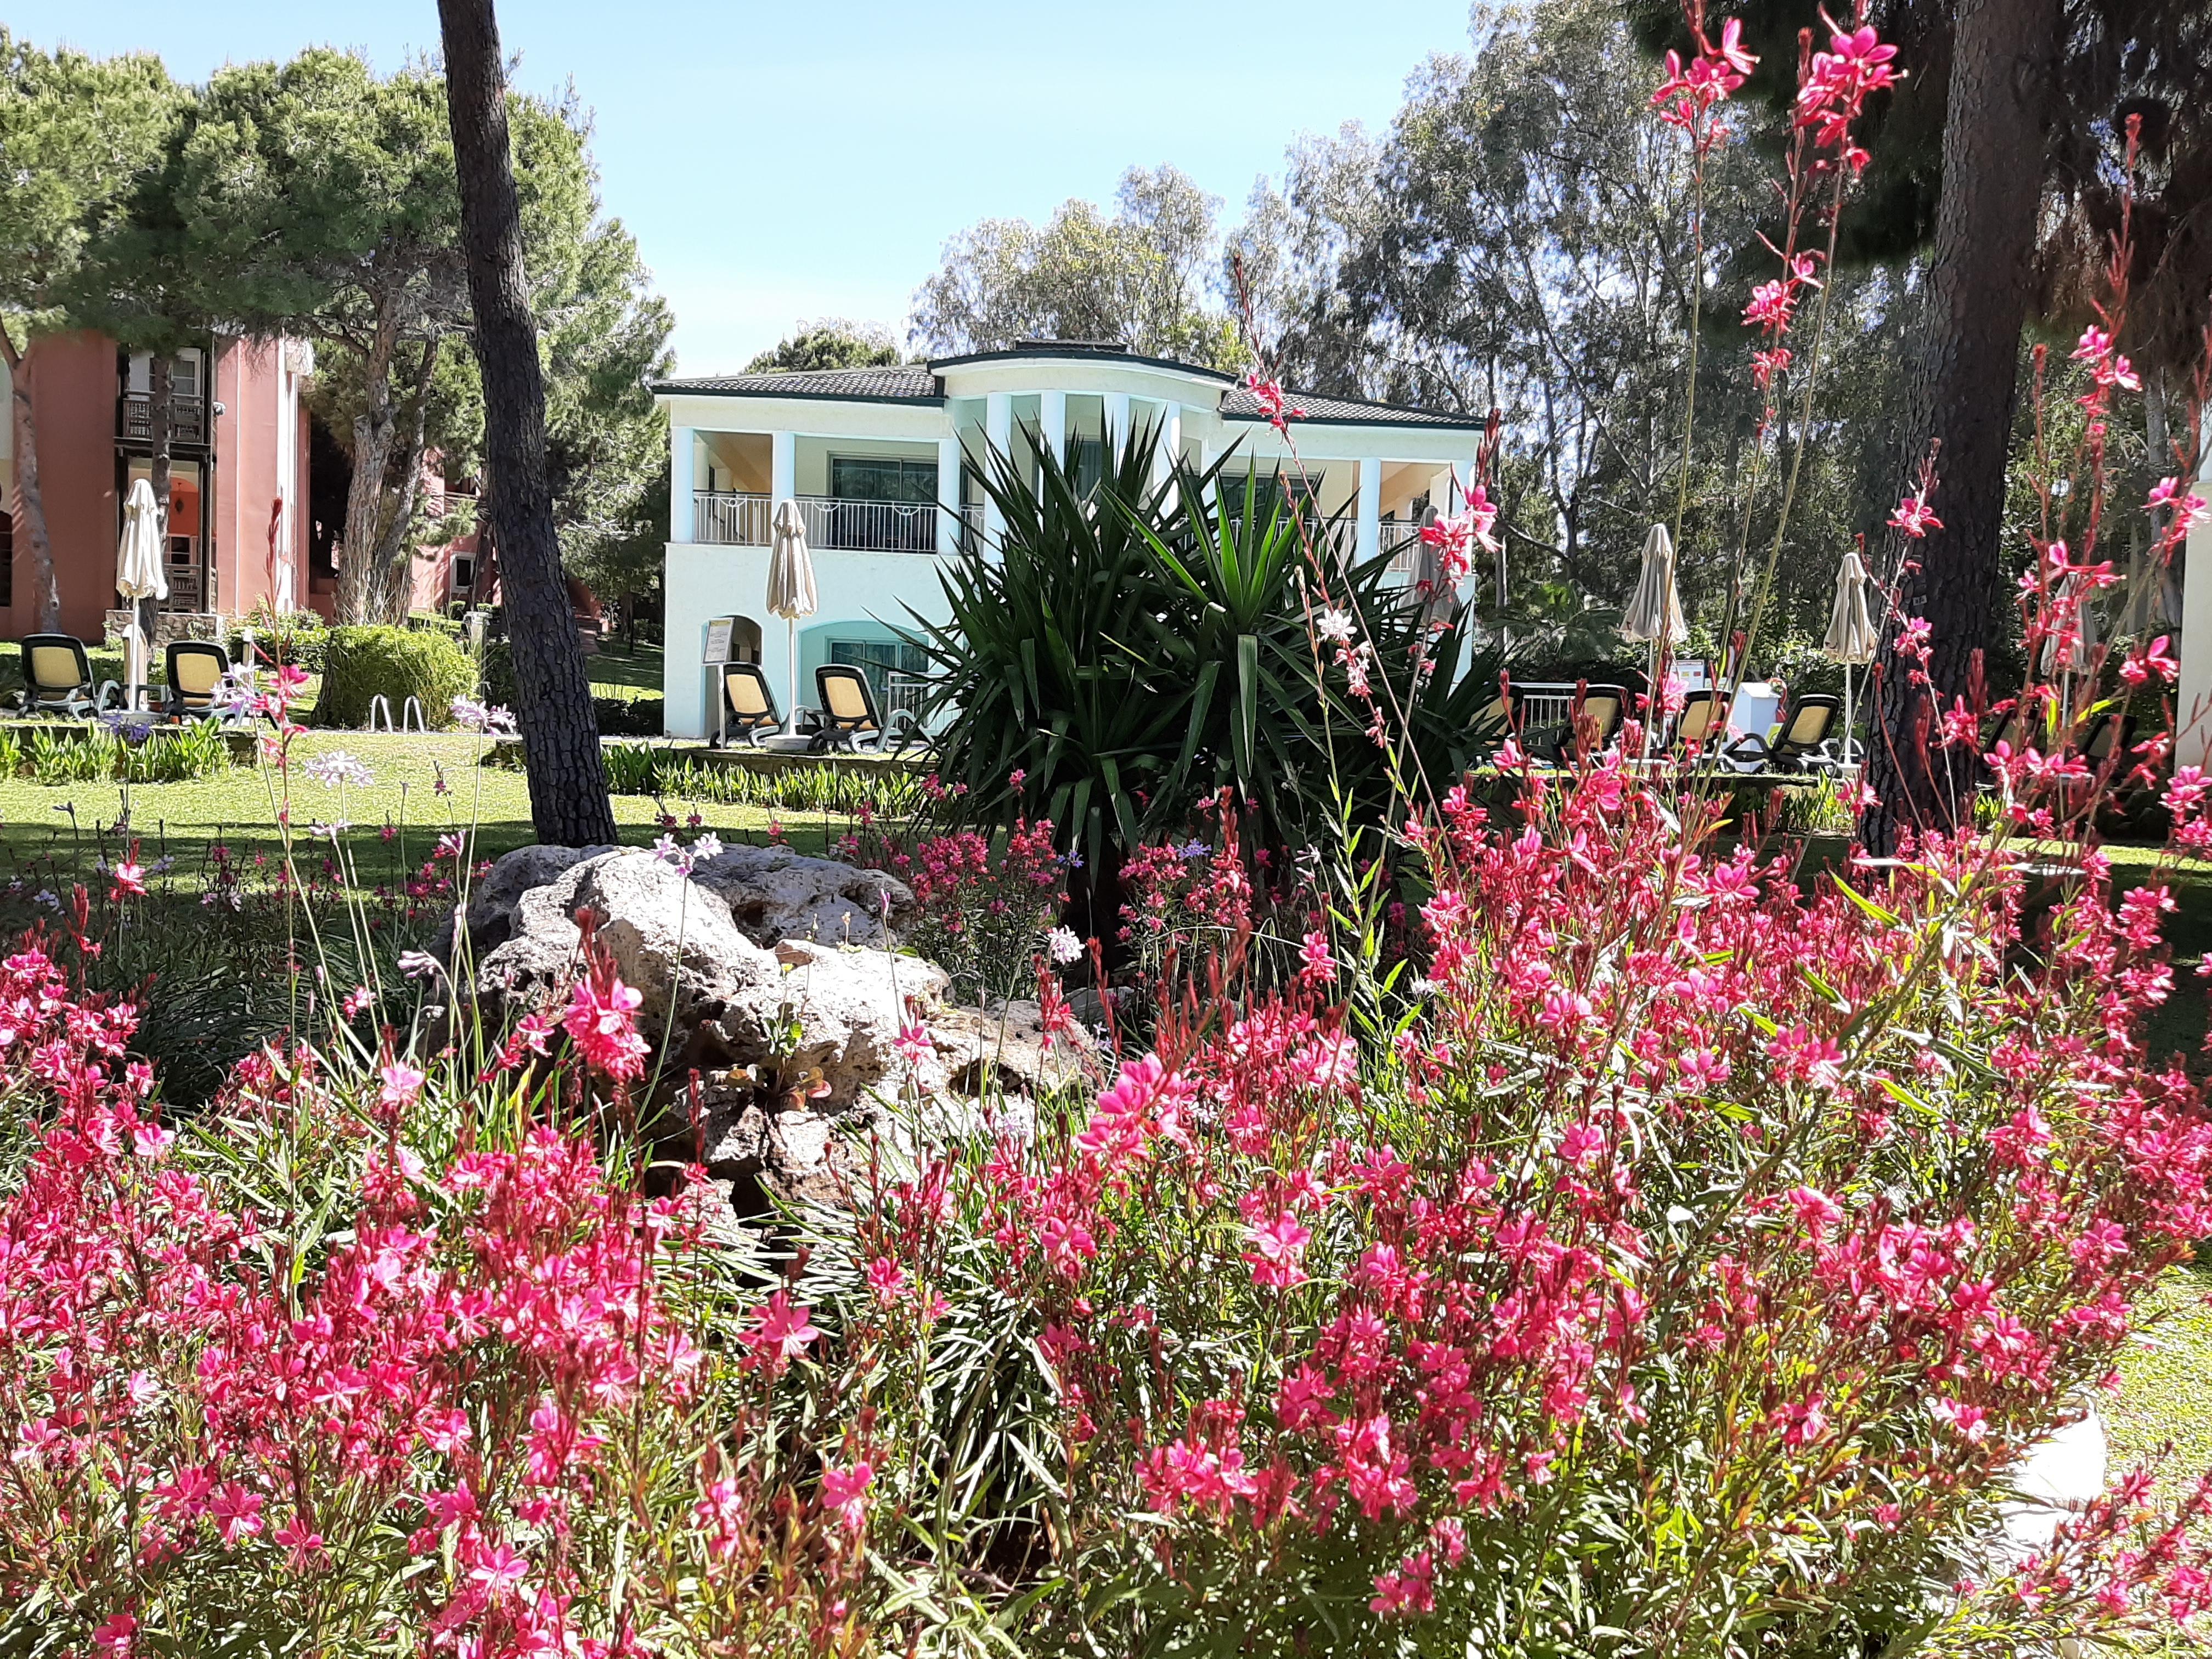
[[108, 690]]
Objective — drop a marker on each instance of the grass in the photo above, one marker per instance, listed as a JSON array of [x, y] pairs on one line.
[[74, 823], [618, 672], [2163, 1415]]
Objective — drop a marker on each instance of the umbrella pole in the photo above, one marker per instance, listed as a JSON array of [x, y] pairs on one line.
[[791, 675], [135, 695], [1847, 716]]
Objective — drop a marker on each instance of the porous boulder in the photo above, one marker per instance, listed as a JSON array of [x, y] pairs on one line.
[[774, 894], [787, 1034]]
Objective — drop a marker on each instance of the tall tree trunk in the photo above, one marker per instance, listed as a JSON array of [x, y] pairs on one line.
[[395, 558], [360, 578], [30, 503], [1963, 388], [569, 801]]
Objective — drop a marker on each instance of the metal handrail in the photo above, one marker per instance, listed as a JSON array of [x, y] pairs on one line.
[[742, 518], [187, 418]]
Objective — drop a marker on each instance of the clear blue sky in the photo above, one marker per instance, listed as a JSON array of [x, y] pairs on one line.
[[809, 158]]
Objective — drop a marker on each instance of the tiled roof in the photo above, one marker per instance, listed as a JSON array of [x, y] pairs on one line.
[[918, 383], [904, 381], [1241, 405]]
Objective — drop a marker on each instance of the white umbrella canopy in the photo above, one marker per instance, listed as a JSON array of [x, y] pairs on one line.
[[1655, 609], [1852, 638], [138, 576], [790, 592]]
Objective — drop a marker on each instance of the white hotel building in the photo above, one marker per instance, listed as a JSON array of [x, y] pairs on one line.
[[882, 463]]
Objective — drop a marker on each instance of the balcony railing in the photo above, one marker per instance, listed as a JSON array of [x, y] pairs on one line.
[[734, 518], [187, 419], [903, 691]]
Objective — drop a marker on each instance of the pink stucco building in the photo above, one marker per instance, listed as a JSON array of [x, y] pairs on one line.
[[239, 532]]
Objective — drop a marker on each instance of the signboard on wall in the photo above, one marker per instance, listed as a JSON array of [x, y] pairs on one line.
[[719, 631]]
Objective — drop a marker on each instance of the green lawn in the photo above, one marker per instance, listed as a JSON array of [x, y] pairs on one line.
[[619, 672], [422, 787]]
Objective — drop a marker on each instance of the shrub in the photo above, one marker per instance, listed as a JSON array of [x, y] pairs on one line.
[[864, 790], [128, 749], [1684, 1274], [1131, 653], [396, 664], [630, 717], [452, 1384], [300, 638], [496, 673]]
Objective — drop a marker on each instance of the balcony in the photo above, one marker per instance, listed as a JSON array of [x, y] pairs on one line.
[[733, 518], [187, 419]]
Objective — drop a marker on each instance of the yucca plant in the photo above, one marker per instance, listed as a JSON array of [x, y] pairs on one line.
[[1127, 653]]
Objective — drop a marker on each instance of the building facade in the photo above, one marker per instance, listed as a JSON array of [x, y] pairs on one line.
[[238, 531], [882, 465]]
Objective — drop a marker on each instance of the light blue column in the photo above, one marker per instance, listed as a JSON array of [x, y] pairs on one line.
[[1371, 508], [999, 429], [948, 496], [682, 460]]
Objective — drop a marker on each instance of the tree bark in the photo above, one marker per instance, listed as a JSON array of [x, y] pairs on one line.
[[394, 559], [30, 502], [569, 802], [1962, 392], [360, 576]]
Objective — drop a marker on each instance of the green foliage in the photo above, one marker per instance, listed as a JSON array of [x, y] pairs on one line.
[[331, 193], [176, 755], [300, 638], [630, 717], [74, 131], [830, 343], [396, 664], [496, 673], [1139, 277], [1519, 237], [1134, 653], [884, 792]]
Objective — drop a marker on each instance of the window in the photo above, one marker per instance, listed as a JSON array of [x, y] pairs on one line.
[[897, 673], [184, 376], [465, 573], [1086, 464], [882, 478]]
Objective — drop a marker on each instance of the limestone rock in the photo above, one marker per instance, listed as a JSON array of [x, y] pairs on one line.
[[1006, 1046], [775, 893], [493, 900], [849, 1007]]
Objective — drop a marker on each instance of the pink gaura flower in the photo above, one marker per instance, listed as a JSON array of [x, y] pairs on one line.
[[845, 1494], [601, 1022], [779, 1333], [1278, 1247]]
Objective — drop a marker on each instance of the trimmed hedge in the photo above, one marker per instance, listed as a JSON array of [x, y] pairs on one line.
[[300, 638], [396, 662]]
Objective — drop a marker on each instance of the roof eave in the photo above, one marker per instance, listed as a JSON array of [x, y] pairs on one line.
[[678, 389], [1429, 422]]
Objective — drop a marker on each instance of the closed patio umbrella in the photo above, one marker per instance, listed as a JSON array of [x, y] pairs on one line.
[[1851, 637], [1655, 609], [1655, 613], [139, 578], [790, 590]]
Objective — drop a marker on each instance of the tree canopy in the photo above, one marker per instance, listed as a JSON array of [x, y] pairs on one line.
[[1144, 275], [75, 134], [828, 342]]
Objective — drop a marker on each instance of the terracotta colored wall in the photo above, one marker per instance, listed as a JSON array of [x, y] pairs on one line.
[[73, 387], [249, 467]]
